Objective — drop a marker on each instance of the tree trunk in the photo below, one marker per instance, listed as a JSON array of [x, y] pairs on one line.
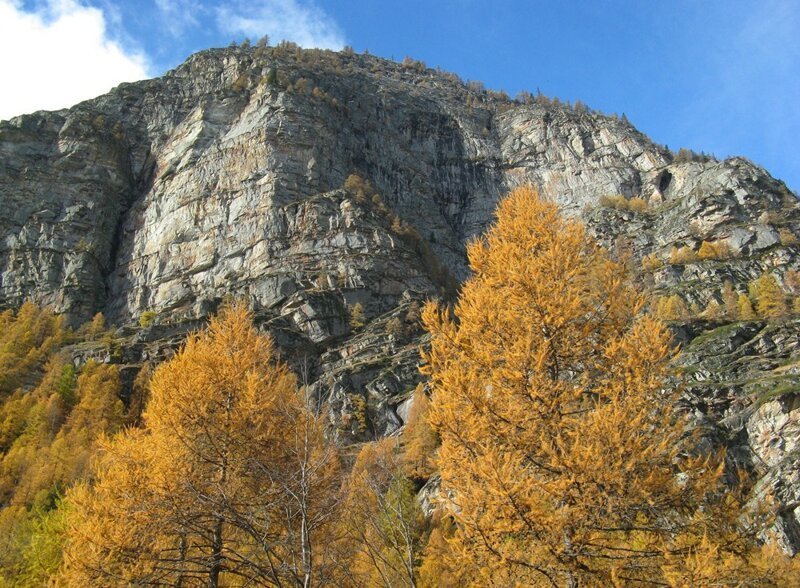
[[305, 539], [216, 540], [216, 556], [306, 548], [182, 552]]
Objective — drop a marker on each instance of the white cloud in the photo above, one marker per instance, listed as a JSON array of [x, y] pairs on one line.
[[302, 22], [58, 55]]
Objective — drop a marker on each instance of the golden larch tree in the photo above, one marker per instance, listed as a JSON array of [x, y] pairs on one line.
[[229, 482], [730, 301], [707, 251], [382, 524], [745, 310], [562, 457], [671, 308], [769, 297], [419, 439], [27, 338]]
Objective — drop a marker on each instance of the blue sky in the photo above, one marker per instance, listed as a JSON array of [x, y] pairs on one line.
[[716, 76]]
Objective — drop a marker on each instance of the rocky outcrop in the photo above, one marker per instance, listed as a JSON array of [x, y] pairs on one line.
[[744, 378], [227, 177], [220, 179]]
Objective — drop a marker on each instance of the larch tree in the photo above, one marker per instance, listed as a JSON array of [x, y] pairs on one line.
[[671, 308], [357, 319], [746, 312], [769, 297], [419, 439], [229, 482], [707, 251], [26, 340], [383, 526], [562, 457], [52, 414], [730, 301]]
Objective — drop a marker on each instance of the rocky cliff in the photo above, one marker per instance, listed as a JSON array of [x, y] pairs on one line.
[[229, 177]]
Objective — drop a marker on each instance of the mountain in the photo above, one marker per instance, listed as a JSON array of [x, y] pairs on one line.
[[312, 183]]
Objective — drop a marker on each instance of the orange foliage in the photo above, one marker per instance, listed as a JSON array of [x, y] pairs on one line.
[[420, 439], [382, 523], [770, 299], [26, 341], [730, 301], [745, 308], [682, 256], [231, 477], [713, 250], [49, 428], [562, 454], [671, 308]]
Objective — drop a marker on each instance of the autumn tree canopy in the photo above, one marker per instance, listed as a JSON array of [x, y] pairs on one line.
[[229, 482], [382, 525], [52, 414], [563, 459]]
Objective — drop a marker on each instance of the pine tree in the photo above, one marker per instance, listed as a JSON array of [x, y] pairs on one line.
[[560, 449], [231, 479]]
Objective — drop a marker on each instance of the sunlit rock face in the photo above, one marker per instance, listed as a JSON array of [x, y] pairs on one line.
[[226, 178]]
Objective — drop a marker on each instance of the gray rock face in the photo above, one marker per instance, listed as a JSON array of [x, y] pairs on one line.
[[64, 184], [169, 193], [773, 433], [226, 178]]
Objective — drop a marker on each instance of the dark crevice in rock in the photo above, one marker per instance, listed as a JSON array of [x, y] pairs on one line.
[[138, 186], [664, 181]]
